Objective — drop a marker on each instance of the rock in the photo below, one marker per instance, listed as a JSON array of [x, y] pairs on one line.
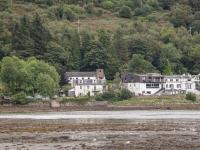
[[55, 104]]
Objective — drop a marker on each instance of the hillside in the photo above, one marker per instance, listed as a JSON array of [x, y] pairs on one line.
[[116, 35]]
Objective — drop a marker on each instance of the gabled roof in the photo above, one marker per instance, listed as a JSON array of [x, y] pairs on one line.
[[80, 74]]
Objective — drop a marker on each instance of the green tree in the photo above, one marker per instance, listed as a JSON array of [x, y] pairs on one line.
[[22, 43], [46, 86], [125, 12], [5, 42], [40, 35], [96, 58], [4, 5], [13, 74], [139, 65], [21, 76], [167, 68], [181, 15], [120, 46], [86, 40], [70, 41], [35, 67]]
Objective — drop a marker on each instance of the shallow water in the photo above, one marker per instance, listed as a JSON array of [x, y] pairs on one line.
[[113, 115]]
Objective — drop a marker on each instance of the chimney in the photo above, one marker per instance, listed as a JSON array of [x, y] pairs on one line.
[[100, 74]]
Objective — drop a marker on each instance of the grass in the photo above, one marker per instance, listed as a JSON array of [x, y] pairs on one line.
[[163, 100]]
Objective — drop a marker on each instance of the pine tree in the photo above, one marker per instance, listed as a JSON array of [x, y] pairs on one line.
[[22, 43], [40, 35], [167, 68]]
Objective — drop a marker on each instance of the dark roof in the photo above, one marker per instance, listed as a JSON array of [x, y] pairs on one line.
[[80, 74], [142, 78]]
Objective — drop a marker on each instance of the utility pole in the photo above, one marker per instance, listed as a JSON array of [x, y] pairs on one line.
[[190, 30], [78, 25]]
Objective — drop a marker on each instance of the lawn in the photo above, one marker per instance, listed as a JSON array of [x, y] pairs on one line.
[[162, 100]]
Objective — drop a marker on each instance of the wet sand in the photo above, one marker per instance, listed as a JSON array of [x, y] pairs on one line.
[[89, 133]]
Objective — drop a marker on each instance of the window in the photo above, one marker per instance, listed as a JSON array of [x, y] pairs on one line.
[[152, 85], [178, 86], [95, 88], [143, 79], [171, 86], [171, 80], [189, 86], [80, 87], [88, 87], [167, 86], [148, 92], [177, 80]]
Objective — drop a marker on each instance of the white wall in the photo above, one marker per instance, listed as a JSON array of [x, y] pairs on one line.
[[80, 79], [140, 88], [83, 90], [181, 84]]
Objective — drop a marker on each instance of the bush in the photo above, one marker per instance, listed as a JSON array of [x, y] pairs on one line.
[[20, 98], [79, 100], [106, 96], [90, 8], [124, 94], [125, 12], [143, 11], [47, 2], [191, 97], [107, 5], [69, 14]]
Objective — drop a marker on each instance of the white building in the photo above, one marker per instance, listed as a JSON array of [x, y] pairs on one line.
[[156, 84], [176, 84], [146, 84], [86, 83]]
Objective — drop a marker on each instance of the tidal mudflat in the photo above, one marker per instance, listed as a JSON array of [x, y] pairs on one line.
[[167, 133]]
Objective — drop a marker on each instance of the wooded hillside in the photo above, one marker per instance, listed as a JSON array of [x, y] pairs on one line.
[[116, 35]]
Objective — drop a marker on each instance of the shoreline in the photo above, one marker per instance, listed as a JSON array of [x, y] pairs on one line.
[[46, 108]]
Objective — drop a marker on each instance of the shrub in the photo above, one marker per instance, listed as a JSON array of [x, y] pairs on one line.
[[69, 14], [106, 96], [191, 97], [20, 98], [90, 8], [79, 100], [124, 94], [143, 11], [107, 5], [47, 2], [125, 12]]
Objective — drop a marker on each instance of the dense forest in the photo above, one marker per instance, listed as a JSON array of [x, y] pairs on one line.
[[116, 35]]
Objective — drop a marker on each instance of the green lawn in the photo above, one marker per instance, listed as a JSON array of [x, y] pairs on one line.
[[164, 100]]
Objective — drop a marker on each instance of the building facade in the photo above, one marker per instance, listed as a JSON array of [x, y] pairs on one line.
[[146, 84], [156, 84], [176, 84], [86, 83]]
